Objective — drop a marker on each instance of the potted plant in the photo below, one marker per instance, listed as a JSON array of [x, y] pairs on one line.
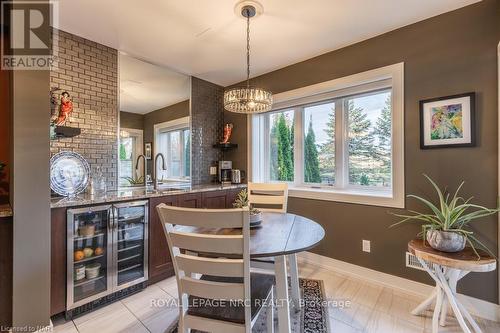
[[134, 181], [242, 201], [447, 227]]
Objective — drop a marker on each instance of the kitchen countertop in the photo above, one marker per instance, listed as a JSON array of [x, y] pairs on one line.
[[131, 193], [5, 210]]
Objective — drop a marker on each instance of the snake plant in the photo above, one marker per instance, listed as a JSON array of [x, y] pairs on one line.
[[453, 214]]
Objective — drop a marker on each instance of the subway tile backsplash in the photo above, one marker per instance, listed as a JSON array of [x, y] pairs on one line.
[[89, 72], [207, 121]]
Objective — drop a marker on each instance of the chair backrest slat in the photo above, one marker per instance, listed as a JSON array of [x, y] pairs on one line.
[[213, 290], [223, 244], [174, 221], [211, 266], [211, 218], [213, 325], [272, 197]]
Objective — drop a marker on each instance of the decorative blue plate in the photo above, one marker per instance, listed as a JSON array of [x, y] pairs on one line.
[[69, 173]]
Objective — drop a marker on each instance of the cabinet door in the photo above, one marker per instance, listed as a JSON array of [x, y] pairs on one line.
[[130, 251], [190, 200], [231, 196], [89, 260], [58, 261], [214, 199], [160, 262]]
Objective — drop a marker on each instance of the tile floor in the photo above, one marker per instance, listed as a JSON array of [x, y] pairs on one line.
[[373, 309]]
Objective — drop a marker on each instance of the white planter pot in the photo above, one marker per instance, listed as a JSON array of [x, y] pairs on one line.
[[446, 241], [255, 218]]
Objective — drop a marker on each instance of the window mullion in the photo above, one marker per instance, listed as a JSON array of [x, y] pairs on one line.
[[266, 176], [339, 143], [298, 144]]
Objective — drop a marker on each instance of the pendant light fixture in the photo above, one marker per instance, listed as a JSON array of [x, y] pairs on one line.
[[248, 100]]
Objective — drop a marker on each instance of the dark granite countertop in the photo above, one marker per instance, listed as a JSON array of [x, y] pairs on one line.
[[131, 193], [5, 210]]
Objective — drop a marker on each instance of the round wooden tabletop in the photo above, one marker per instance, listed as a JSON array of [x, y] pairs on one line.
[[279, 234], [465, 260]]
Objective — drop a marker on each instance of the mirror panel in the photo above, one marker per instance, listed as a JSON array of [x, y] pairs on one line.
[[154, 118]]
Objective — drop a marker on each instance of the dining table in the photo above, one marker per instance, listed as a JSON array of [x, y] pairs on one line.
[[281, 236]]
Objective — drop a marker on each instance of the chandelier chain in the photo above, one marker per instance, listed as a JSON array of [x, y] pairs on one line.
[[248, 48]]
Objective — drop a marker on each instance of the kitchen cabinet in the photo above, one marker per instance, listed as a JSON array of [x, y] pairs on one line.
[[190, 200], [58, 261], [231, 196], [6, 271], [214, 199], [160, 262]]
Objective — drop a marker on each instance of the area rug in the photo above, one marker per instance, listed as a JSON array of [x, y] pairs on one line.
[[311, 318]]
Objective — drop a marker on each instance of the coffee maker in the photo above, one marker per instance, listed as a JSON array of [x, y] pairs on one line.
[[225, 171]]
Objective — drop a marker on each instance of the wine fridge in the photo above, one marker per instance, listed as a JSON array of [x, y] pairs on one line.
[[107, 250]]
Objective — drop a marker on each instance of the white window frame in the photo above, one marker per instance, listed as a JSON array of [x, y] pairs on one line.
[[168, 126], [389, 77], [138, 134]]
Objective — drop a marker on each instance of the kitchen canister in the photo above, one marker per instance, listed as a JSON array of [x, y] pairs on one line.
[[92, 270], [79, 272]]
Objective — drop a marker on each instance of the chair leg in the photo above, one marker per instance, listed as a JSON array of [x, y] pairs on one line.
[[270, 313], [294, 279], [181, 327]]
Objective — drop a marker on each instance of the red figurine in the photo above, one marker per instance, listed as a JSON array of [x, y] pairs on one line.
[[65, 109], [228, 130]]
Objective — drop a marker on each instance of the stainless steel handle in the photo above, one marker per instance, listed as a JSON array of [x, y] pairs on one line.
[[110, 219], [115, 217]]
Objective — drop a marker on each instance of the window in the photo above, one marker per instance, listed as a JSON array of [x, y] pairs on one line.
[[341, 140], [130, 149], [173, 140]]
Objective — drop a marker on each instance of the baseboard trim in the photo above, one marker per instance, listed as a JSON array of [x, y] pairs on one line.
[[475, 306]]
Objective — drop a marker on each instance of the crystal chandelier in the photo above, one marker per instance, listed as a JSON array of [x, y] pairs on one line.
[[248, 99]]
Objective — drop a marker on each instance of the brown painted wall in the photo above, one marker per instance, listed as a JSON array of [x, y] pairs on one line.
[[449, 54], [131, 120], [168, 113]]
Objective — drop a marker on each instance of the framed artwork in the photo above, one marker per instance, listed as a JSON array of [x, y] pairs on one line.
[[448, 122], [148, 150]]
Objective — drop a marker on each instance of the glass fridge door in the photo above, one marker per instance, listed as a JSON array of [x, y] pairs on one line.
[[89, 255], [131, 246]]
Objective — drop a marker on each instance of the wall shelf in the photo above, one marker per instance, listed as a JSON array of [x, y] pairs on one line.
[[226, 146], [58, 132]]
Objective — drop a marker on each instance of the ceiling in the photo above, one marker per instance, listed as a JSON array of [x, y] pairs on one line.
[[145, 87], [206, 39]]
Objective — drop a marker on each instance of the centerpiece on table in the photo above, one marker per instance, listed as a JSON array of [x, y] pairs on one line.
[[242, 201], [447, 226]]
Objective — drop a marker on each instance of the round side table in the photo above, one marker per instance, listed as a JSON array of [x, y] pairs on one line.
[[446, 269]]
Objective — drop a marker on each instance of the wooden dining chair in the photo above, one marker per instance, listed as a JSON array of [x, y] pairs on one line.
[[273, 197], [226, 297], [268, 197]]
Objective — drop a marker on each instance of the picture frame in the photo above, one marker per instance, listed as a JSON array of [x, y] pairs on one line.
[[447, 122], [148, 150]]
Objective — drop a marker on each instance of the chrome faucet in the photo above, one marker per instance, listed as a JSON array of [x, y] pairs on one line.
[[163, 166], [145, 167]]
